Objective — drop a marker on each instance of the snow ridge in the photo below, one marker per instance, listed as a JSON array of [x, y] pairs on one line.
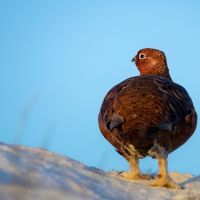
[[34, 173]]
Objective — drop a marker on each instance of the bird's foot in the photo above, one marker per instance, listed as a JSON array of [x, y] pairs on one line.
[[165, 181], [134, 176]]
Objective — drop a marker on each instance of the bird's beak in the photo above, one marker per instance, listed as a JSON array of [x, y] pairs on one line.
[[133, 60]]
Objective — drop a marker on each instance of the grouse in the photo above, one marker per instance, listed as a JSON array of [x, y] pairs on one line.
[[148, 115]]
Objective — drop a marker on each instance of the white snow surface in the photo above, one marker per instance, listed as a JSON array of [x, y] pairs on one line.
[[34, 173]]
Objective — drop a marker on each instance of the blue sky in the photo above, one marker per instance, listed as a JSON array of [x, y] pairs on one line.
[[59, 58]]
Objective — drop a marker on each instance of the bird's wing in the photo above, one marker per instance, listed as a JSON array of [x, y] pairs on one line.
[[107, 114], [160, 104], [179, 104]]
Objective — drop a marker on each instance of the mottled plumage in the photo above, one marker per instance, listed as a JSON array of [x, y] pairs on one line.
[[148, 115]]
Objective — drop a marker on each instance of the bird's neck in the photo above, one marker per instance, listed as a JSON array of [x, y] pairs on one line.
[[158, 70]]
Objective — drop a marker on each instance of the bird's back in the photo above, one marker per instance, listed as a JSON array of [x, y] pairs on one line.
[[146, 108]]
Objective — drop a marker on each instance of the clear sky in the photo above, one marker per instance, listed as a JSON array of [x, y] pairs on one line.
[[58, 59]]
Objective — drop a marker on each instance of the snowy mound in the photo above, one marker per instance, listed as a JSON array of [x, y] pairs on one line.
[[32, 173]]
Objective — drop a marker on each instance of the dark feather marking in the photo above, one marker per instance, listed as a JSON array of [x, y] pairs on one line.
[[165, 126], [115, 121]]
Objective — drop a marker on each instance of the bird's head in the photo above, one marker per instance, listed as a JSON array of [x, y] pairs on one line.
[[151, 61]]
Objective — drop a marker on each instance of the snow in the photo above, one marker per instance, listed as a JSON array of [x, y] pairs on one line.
[[33, 173]]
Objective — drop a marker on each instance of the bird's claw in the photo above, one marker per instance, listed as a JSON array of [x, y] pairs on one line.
[[165, 182], [134, 176]]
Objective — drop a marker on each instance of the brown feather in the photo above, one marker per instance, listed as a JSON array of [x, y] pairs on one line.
[[145, 109]]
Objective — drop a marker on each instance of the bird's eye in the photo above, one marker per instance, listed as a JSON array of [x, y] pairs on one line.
[[142, 56]]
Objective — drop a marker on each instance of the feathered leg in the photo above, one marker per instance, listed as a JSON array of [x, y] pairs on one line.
[[163, 179], [134, 172]]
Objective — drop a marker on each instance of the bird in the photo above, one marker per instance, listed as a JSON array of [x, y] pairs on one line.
[[148, 115]]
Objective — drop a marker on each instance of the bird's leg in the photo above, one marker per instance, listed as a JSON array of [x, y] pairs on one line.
[[134, 172], [163, 179]]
